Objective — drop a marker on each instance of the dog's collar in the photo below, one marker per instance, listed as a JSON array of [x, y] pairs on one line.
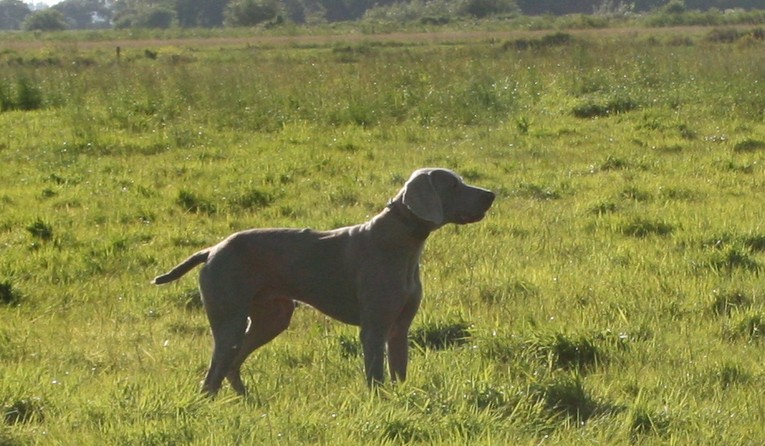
[[418, 228]]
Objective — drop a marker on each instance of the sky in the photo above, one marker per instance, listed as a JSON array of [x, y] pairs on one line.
[[34, 3]]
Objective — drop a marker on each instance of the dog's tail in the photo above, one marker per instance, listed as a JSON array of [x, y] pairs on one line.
[[183, 267]]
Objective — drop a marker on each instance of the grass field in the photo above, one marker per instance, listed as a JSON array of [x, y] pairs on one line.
[[613, 295]]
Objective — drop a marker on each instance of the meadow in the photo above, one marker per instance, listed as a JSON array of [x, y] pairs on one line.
[[613, 295]]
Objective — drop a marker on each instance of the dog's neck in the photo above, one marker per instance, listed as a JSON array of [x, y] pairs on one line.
[[418, 228]]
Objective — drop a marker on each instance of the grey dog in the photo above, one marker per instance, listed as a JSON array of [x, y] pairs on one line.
[[366, 275]]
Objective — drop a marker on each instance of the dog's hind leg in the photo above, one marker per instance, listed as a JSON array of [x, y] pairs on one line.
[[228, 335], [226, 307], [267, 320]]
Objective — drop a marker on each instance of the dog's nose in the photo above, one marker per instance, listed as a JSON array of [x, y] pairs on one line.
[[488, 197]]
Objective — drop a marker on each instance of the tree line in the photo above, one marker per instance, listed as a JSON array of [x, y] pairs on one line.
[[90, 14]]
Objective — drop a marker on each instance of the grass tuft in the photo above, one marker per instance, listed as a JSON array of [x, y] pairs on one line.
[[643, 422], [642, 227], [748, 146], [732, 258], [730, 374], [596, 107], [565, 395], [748, 326], [8, 294], [191, 202], [726, 303], [252, 199], [440, 335], [350, 346], [23, 410], [41, 230]]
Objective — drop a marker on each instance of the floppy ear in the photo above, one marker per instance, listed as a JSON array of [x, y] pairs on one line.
[[421, 198]]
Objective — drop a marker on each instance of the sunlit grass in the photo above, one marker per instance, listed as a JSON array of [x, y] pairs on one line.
[[611, 295]]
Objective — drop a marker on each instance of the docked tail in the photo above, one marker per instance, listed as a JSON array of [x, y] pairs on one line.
[[182, 268]]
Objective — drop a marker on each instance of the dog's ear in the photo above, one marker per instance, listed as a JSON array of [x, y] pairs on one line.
[[421, 197]]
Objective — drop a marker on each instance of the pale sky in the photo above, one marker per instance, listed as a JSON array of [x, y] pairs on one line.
[[34, 3]]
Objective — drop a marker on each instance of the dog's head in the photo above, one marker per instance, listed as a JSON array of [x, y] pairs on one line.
[[440, 196]]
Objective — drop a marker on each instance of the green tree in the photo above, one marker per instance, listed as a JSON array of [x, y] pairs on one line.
[[251, 12], [143, 14], [204, 13], [157, 17], [83, 14], [13, 13], [45, 20]]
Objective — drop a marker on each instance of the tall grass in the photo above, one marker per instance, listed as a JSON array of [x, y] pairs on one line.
[[611, 296]]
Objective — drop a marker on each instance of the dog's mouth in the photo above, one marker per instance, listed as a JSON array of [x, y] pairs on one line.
[[464, 218]]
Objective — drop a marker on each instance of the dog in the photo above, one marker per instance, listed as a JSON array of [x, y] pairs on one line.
[[365, 275]]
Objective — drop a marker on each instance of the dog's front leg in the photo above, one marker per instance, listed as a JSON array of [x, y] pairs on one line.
[[373, 344], [398, 338], [398, 355]]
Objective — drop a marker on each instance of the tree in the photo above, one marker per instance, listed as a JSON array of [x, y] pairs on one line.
[[143, 14], [251, 12], [205, 13], [45, 20], [13, 13], [83, 14], [157, 17]]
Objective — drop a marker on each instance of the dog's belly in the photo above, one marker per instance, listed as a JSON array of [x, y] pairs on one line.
[[306, 266], [348, 314]]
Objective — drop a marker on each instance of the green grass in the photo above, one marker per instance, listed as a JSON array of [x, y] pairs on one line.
[[611, 296]]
